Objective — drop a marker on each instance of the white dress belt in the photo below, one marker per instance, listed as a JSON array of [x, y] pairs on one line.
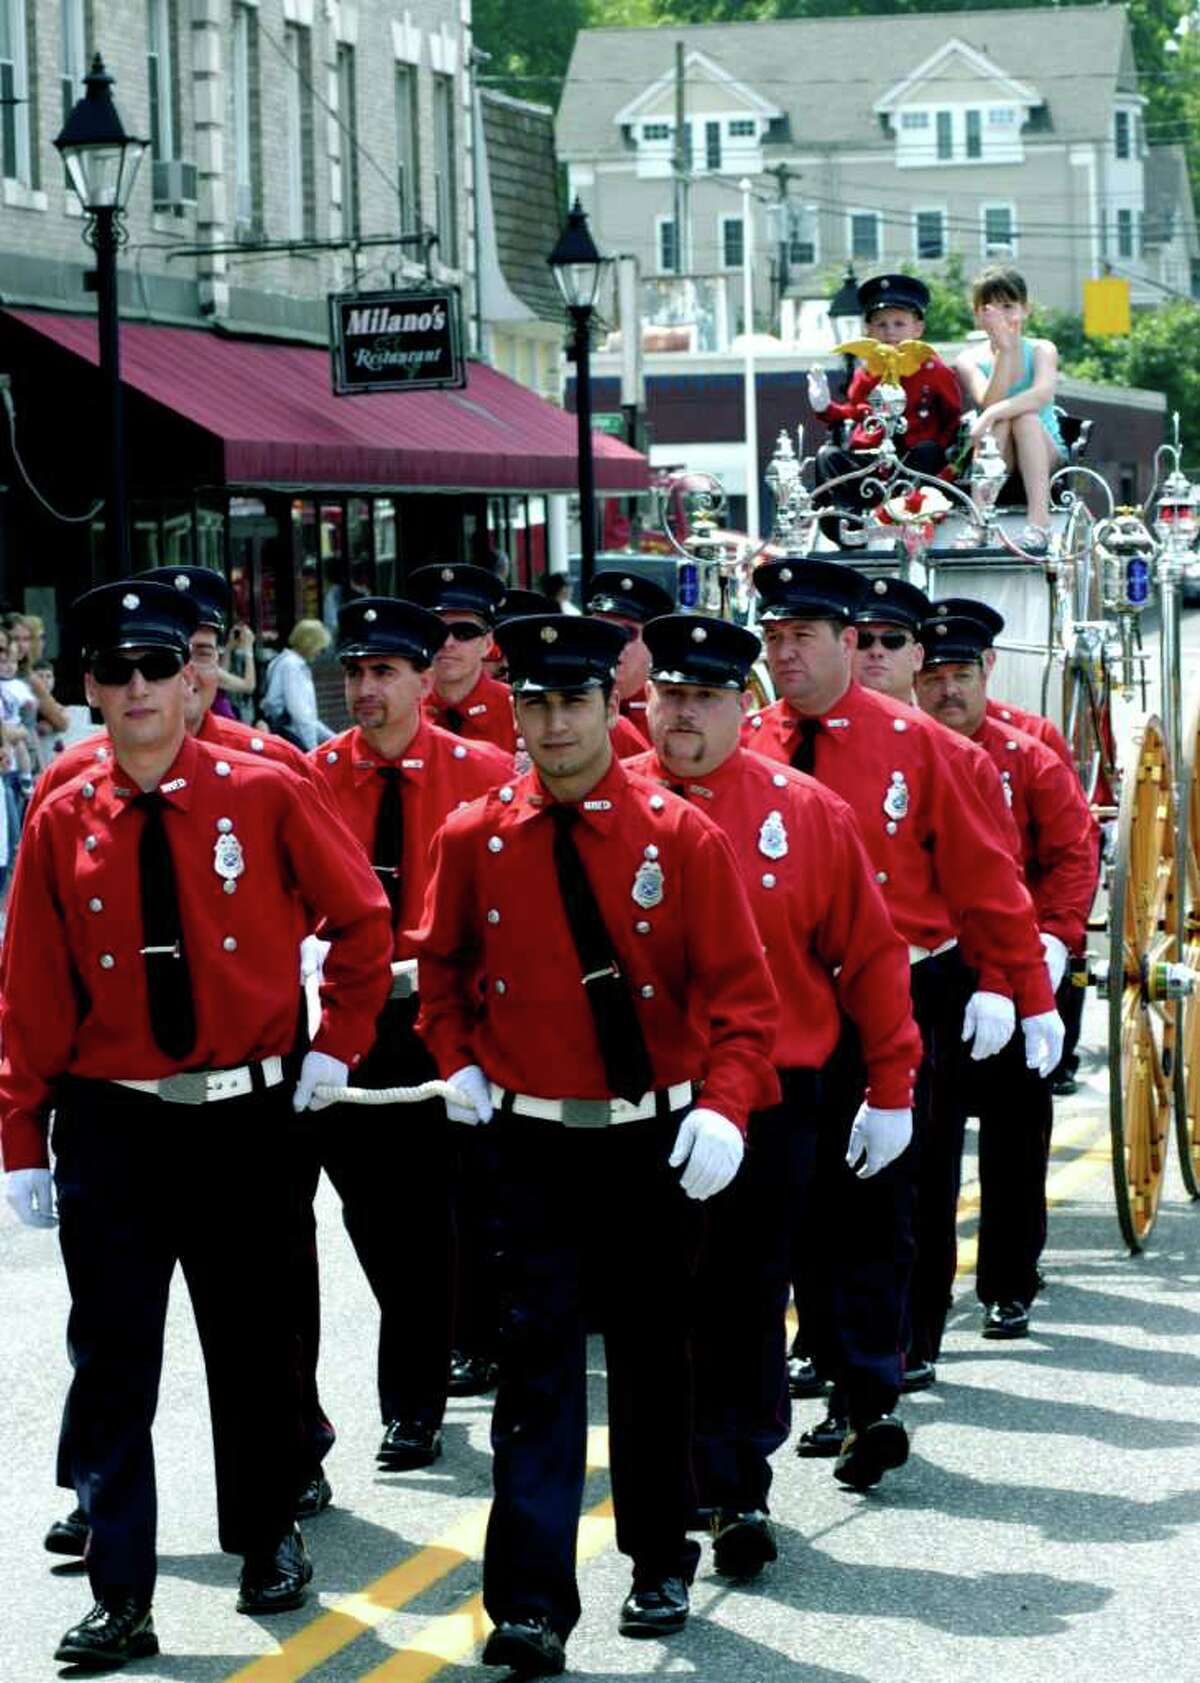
[[201, 1086], [593, 1113], [917, 954]]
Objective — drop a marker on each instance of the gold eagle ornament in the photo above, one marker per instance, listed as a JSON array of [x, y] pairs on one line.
[[889, 363]]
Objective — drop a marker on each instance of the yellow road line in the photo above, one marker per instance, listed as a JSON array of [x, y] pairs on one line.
[[1059, 1187], [338, 1626], [456, 1635]]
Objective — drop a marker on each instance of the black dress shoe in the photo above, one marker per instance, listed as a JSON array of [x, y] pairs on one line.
[[803, 1378], [315, 1497], [471, 1376], [1063, 1086], [408, 1444], [742, 1543], [67, 1536], [527, 1646], [1007, 1320], [823, 1439], [918, 1376], [870, 1451], [656, 1608], [117, 1630], [276, 1582]]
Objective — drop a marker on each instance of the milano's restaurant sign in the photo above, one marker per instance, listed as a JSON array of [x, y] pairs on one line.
[[396, 341]]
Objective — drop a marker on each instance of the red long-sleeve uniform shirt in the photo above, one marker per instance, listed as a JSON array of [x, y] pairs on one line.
[[231, 733], [633, 711], [627, 739], [500, 976], [940, 855], [1059, 837], [439, 772], [826, 931], [1033, 724], [933, 410], [74, 980], [483, 715]]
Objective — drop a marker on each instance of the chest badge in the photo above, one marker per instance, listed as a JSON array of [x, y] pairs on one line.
[[895, 802], [772, 838], [228, 859], [648, 885]]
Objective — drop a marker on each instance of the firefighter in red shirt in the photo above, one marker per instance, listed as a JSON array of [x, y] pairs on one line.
[[887, 650], [463, 699], [947, 873], [629, 599], [831, 947], [583, 1050], [1059, 854], [394, 777], [158, 903]]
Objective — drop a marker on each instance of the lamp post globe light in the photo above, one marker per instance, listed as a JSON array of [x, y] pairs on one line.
[[102, 164], [577, 266], [845, 315]]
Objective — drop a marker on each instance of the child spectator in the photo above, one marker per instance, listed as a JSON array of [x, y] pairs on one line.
[[1012, 381], [894, 309]]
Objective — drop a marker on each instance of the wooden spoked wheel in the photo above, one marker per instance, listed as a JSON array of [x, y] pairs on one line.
[[1187, 1063], [1142, 1019]]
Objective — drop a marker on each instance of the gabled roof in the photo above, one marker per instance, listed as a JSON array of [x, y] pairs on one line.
[[978, 64], [826, 74], [712, 72]]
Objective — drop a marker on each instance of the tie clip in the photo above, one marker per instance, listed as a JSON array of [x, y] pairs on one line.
[[386, 870], [171, 951], [595, 975]]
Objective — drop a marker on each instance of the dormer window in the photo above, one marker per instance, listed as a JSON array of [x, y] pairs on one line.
[[656, 131]]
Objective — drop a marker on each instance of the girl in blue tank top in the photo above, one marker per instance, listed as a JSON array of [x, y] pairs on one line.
[[1011, 380]]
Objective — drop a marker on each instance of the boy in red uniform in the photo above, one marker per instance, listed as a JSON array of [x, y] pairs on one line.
[[894, 308]]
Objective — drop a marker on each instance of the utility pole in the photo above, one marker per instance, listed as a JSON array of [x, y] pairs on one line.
[[682, 256], [782, 175]]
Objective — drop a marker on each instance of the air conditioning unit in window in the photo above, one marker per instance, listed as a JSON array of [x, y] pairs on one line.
[[173, 183]]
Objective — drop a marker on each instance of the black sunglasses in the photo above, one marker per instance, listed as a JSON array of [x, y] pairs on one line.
[[463, 631], [154, 665], [889, 639]]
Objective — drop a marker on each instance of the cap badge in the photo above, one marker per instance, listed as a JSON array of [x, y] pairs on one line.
[[880, 587], [942, 630], [131, 601], [785, 575], [549, 634], [626, 584], [895, 801], [648, 885], [182, 582], [699, 634], [447, 575], [370, 616], [884, 284], [942, 610], [228, 859], [772, 838]]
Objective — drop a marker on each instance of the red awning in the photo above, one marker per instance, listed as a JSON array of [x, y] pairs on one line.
[[273, 410]]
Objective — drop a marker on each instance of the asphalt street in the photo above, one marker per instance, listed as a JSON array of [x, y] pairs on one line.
[[1046, 1527]]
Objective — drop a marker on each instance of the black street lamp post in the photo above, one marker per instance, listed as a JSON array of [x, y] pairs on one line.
[[102, 163], [577, 267], [845, 313]]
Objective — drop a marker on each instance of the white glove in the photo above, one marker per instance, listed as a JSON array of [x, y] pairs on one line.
[[318, 1069], [30, 1196], [878, 1137], [1044, 1035], [312, 957], [818, 391], [476, 1088], [1056, 959], [711, 1147], [991, 1018]]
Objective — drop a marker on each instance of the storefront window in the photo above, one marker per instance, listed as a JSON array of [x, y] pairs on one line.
[[210, 537], [307, 554], [255, 553], [334, 563], [385, 546]]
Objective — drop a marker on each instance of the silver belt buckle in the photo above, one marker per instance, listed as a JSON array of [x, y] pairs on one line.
[[586, 1113], [189, 1087]]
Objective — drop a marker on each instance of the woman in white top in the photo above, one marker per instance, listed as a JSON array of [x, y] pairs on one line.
[[290, 701]]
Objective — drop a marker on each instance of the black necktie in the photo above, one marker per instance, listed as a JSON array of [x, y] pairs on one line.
[[804, 754], [168, 979], [454, 720], [388, 855], [627, 1066]]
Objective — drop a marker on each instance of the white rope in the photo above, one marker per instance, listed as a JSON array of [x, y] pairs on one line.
[[392, 1095]]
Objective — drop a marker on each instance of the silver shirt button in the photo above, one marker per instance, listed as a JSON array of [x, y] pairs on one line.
[[493, 915], [222, 768], [95, 905], [648, 991], [768, 880], [495, 845], [89, 845], [460, 753], [230, 943], [642, 927], [107, 961], [224, 825], [229, 887], [501, 985]]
